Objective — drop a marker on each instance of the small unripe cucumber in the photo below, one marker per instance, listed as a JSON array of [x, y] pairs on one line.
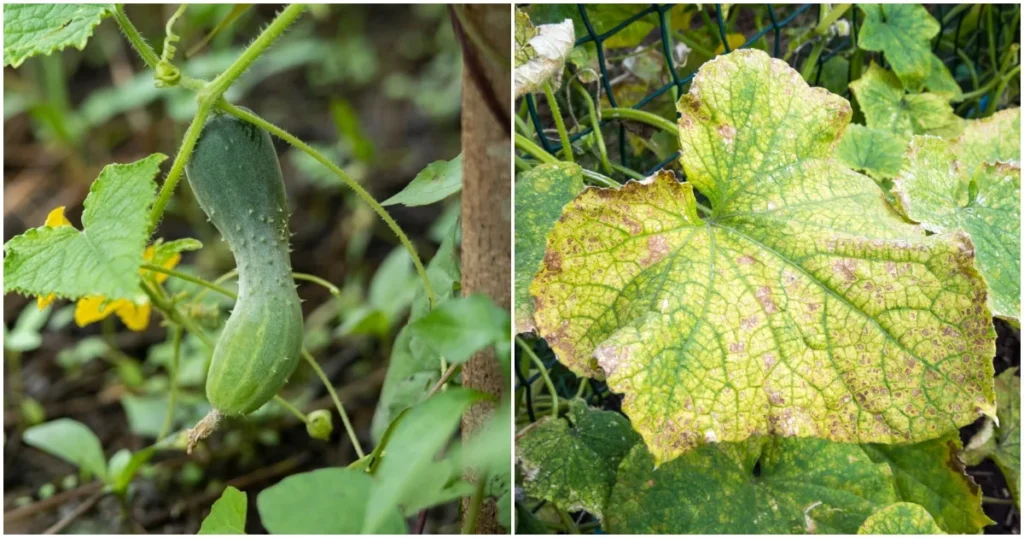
[[236, 177]]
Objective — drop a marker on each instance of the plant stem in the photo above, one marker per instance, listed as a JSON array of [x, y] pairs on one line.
[[172, 398], [135, 38], [544, 373], [189, 278], [534, 150], [291, 409], [469, 525], [317, 280], [570, 525], [563, 135], [223, 81], [628, 172], [352, 184], [337, 402], [832, 16], [220, 280], [641, 116], [189, 143], [600, 179], [595, 125]]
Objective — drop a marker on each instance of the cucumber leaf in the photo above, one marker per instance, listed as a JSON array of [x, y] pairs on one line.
[[227, 515], [103, 258], [32, 29], [900, 518], [798, 304], [888, 107]]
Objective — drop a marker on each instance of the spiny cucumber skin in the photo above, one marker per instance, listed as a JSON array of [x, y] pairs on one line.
[[236, 178]]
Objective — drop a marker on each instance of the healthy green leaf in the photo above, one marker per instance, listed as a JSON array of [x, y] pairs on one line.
[[888, 107], [31, 29], [103, 258], [900, 518], [25, 335], [414, 366], [124, 464], [799, 305], [931, 474], [574, 466], [879, 153], [764, 485], [403, 478], [541, 194], [326, 501], [458, 328], [933, 189], [227, 515], [70, 441], [903, 32], [439, 180]]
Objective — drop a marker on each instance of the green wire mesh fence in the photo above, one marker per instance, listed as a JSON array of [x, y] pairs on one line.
[[950, 16]]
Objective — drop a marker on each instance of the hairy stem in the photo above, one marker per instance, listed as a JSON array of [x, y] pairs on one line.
[[559, 123], [534, 150], [189, 278], [337, 402]]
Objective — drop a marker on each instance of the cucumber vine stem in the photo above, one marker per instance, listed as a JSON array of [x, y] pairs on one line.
[[543, 372], [291, 408], [337, 402], [559, 122], [534, 150], [479, 492], [641, 116], [188, 278]]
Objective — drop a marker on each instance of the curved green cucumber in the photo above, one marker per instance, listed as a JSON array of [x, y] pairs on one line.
[[236, 177]]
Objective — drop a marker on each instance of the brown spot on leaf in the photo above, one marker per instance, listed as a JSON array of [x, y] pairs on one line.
[[553, 261], [657, 249], [764, 296], [727, 132], [736, 347], [745, 260]]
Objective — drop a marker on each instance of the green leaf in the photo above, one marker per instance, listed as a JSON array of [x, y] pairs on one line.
[[164, 251], [541, 194], [800, 305], [903, 32], [439, 180], [763, 485], [460, 327], [879, 153], [227, 515], [888, 107], [900, 518], [31, 29], [489, 450], [70, 441], [931, 474], [574, 466], [25, 335], [325, 501], [103, 258], [403, 478], [1001, 443], [985, 203], [414, 367], [124, 464]]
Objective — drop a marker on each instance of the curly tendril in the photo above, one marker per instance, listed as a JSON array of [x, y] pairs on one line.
[[167, 74]]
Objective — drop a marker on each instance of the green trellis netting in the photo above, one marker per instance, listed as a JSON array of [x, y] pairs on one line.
[[949, 16]]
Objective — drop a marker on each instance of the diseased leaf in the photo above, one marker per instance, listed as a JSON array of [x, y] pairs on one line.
[[995, 138], [574, 466], [439, 180], [879, 153], [931, 475], [903, 32], [227, 515], [900, 518], [800, 304], [547, 51], [541, 193], [935, 190], [31, 29], [764, 485], [70, 441], [888, 107], [103, 258]]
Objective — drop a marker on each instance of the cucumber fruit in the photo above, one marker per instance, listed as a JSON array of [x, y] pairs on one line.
[[236, 178]]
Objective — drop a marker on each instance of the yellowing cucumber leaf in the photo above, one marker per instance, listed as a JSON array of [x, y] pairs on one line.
[[900, 518], [31, 29], [800, 304], [888, 107], [995, 138], [540, 195], [103, 258], [1001, 443], [935, 190], [931, 475], [879, 153], [763, 485], [574, 466], [903, 32]]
